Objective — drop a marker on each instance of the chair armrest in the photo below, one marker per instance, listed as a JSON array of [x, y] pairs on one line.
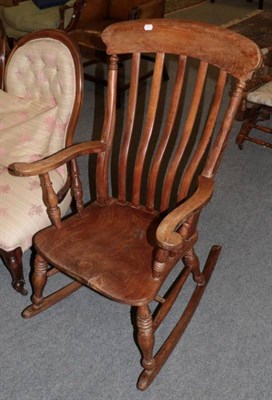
[[77, 7], [167, 236], [56, 160], [148, 9]]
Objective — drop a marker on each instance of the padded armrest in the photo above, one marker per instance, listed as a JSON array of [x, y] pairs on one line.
[[167, 236]]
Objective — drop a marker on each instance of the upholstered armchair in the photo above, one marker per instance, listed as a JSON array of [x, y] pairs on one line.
[[39, 109]]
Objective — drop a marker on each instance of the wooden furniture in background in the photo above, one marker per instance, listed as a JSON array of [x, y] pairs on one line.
[[40, 106], [257, 98], [260, 110], [95, 16], [24, 17], [125, 247], [260, 3]]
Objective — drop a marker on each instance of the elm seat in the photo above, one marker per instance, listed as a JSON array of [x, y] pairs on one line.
[[125, 243], [39, 109], [262, 95]]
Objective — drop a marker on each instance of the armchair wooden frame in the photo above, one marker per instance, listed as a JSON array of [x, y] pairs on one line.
[[13, 258], [124, 247]]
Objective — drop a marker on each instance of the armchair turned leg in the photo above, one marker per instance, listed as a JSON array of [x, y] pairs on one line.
[[191, 261], [13, 262], [146, 341]]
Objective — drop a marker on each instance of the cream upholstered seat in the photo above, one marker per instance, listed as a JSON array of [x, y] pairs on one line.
[[262, 95], [39, 110]]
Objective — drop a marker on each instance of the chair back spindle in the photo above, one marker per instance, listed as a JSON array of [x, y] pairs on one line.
[[191, 153]]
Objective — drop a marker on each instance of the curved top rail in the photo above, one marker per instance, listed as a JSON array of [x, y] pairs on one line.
[[230, 51]]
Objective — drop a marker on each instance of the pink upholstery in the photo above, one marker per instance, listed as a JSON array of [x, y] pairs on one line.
[[35, 112]]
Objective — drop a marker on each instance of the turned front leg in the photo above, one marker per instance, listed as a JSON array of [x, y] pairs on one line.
[[39, 280], [145, 336], [191, 261]]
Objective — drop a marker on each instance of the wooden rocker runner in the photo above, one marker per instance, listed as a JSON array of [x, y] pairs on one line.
[[125, 246]]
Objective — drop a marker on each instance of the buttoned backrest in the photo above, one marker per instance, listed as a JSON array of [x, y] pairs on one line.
[[43, 70]]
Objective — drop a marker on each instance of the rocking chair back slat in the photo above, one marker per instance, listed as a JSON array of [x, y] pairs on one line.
[[187, 132], [156, 164], [103, 158], [132, 102], [205, 139], [221, 139], [148, 128]]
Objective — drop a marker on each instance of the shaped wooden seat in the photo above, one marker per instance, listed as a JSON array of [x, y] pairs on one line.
[[126, 244]]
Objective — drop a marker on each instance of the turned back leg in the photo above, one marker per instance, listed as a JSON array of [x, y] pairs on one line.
[[13, 262]]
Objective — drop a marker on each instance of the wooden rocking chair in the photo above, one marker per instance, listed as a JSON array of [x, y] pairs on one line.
[[124, 247]]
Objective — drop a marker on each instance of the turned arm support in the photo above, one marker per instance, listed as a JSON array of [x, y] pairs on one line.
[[167, 236], [43, 167], [55, 161]]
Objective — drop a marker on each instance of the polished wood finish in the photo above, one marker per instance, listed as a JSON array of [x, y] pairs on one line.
[[125, 246], [13, 258]]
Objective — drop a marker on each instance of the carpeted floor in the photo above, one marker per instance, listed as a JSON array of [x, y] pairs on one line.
[[221, 12], [257, 28], [83, 348]]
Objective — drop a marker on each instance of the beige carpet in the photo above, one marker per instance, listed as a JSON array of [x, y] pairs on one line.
[[173, 5]]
